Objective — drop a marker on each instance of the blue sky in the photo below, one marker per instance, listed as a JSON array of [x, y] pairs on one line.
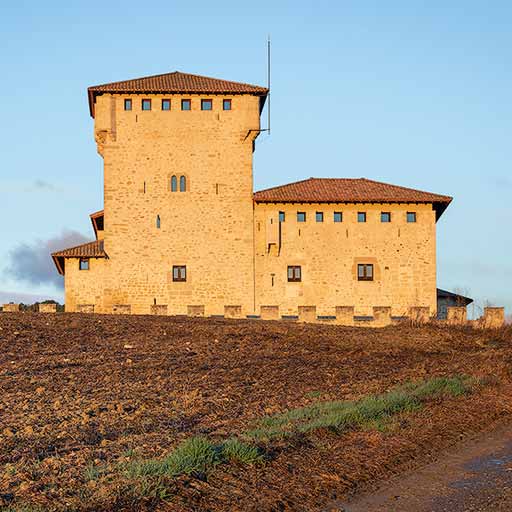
[[409, 92]]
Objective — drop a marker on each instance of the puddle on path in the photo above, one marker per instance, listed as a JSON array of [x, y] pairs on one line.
[[476, 478]]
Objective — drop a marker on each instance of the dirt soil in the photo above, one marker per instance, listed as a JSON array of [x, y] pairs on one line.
[[83, 390]]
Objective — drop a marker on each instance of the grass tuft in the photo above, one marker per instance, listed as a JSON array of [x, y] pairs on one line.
[[340, 416], [234, 450], [194, 456]]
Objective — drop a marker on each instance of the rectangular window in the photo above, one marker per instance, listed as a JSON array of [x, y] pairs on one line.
[[365, 272], [226, 104], [166, 104], [385, 216], [338, 217], [127, 104], [185, 104], [294, 274], [146, 104], [319, 216], [282, 216], [301, 216], [84, 264], [361, 216], [411, 216], [179, 273], [206, 104]]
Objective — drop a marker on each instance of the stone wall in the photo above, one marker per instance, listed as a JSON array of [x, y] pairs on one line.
[[328, 252], [47, 308], [10, 308]]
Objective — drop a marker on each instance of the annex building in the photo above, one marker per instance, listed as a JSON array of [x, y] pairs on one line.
[[183, 232]]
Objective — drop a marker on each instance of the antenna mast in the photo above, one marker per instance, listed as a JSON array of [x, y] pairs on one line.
[[268, 84]]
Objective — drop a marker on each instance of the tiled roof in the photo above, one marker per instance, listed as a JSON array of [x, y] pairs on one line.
[[88, 250], [348, 190], [175, 82]]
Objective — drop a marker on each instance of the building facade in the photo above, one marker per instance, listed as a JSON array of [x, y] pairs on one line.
[[183, 233]]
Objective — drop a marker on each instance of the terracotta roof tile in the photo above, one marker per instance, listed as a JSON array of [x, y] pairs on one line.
[[348, 190], [88, 250], [175, 82]]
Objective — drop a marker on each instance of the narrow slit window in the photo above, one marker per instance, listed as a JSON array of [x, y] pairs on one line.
[[84, 264], [166, 104], [174, 184], [411, 216], [365, 272], [338, 217], [127, 104], [301, 216], [226, 105], [282, 216], [179, 273], [206, 104], [158, 222], [361, 216], [385, 217], [186, 105], [319, 216], [146, 104], [183, 183], [294, 274]]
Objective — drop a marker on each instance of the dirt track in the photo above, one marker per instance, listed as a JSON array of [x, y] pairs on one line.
[[83, 389]]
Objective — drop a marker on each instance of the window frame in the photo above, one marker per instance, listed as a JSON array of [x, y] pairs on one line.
[[384, 215], [183, 183], [282, 217], [298, 217], [206, 101], [179, 273], [166, 101], [366, 275], [414, 216], [174, 183], [319, 215], [85, 261], [228, 101], [142, 102], [186, 101], [296, 273], [128, 101], [335, 216], [361, 215]]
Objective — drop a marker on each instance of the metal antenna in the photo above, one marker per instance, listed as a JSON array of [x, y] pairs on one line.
[[268, 83]]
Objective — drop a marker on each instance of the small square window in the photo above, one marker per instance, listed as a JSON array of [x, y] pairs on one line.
[[319, 216], [282, 216], [361, 216], [294, 274], [84, 264], [185, 104], [127, 104], [206, 104], [385, 216], [338, 217], [179, 273], [301, 216], [411, 216], [166, 104], [146, 104], [365, 272], [226, 104]]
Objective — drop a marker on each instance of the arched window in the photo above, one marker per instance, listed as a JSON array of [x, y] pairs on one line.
[[158, 222], [183, 184], [174, 184]]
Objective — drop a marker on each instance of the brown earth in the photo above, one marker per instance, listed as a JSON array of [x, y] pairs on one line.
[[77, 390]]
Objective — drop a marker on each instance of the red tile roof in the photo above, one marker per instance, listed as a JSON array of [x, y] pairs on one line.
[[88, 250], [175, 82], [348, 190]]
